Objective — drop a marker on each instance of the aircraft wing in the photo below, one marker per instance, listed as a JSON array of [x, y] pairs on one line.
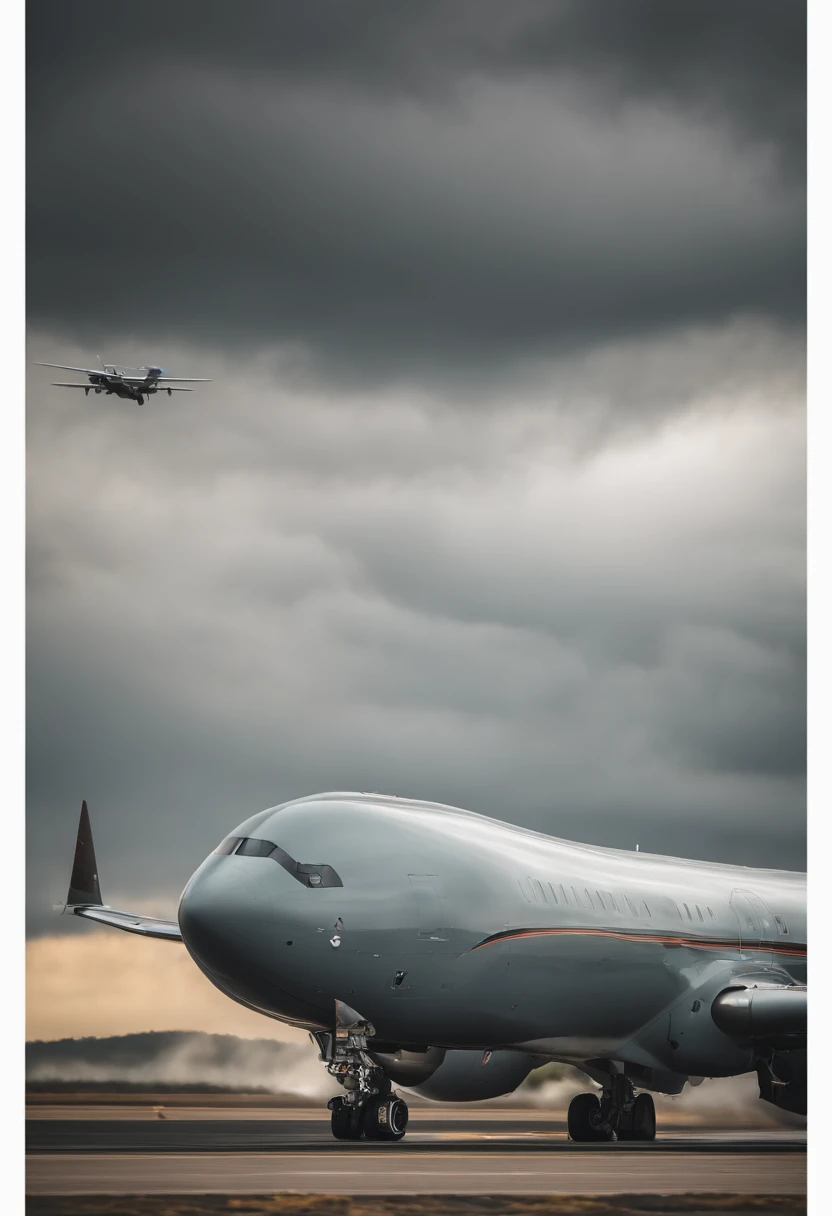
[[69, 384], [131, 922], [165, 380], [64, 367], [97, 371], [84, 898]]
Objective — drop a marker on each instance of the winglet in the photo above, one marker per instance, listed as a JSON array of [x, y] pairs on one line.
[[84, 887]]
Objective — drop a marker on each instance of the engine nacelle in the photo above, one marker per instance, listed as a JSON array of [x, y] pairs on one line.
[[409, 1067], [470, 1076]]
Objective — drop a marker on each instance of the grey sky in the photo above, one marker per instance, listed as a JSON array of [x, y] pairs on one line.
[[405, 190], [498, 494]]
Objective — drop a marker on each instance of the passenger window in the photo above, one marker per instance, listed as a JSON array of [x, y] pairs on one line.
[[577, 901], [527, 892], [564, 896], [699, 913], [645, 909], [540, 894], [782, 927], [554, 896], [711, 914], [687, 911], [631, 905], [601, 901], [589, 899], [676, 907]]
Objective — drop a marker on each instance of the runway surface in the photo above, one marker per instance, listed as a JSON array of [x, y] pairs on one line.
[[123, 1150], [376, 1173], [178, 1129]]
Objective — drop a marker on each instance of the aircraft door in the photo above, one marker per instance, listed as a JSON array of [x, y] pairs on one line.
[[756, 926]]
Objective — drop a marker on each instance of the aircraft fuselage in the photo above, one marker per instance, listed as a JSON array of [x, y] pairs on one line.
[[447, 928]]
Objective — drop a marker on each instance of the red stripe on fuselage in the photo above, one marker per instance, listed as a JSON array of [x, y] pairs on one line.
[[665, 939]]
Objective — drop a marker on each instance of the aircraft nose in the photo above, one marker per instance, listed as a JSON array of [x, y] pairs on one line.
[[223, 912], [243, 928]]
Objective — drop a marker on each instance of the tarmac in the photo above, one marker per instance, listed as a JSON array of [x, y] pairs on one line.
[[122, 1149]]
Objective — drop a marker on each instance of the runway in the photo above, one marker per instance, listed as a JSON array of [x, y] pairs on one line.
[[373, 1172], [118, 1150]]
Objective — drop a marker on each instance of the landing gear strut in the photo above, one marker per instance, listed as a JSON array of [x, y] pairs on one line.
[[369, 1109], [618, 1114]]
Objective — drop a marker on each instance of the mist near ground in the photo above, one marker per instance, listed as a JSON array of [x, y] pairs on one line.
[[191, 1060]]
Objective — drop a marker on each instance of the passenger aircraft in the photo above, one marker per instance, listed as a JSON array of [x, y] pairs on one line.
[[449, 954], [108, 379]]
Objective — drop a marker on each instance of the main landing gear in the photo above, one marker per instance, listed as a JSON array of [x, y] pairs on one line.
[[618, 1114], [369, 1110], [378, 1117]]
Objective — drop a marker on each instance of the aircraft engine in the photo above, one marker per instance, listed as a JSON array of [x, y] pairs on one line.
[[409, 1067], [469, 1076]]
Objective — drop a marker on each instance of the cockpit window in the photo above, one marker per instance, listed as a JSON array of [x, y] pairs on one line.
[[310, 874], [255, 848]]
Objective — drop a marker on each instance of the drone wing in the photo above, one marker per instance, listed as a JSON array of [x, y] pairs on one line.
[[69, 384], [64, 367], [163, 380], [84, 898]]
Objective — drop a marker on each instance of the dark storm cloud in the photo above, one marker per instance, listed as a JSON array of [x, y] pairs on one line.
[[745, 60], [402, 190]]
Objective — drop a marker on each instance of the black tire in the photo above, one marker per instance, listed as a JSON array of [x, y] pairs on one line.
[[385, 1118], [580, 1119], [346, 1120], [644, 1119]]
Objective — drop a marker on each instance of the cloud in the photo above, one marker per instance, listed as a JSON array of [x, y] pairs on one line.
[[574, 613], [754, 51], [429, 197]]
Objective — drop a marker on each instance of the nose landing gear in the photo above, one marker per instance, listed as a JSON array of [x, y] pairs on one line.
[[369, 1109], [619, 1114]]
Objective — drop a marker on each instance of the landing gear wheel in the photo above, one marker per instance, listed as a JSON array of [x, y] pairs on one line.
[[644, 1119], [346, 1119], [582, 1119], [385, 1118]]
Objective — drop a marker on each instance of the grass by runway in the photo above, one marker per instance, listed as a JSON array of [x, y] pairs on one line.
[[427, 1205]]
